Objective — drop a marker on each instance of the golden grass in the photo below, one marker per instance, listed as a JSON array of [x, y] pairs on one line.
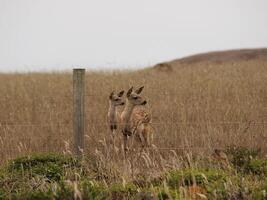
[[198, 108]]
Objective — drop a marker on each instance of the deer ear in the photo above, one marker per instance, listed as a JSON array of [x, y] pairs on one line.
[[111, 95], [129, 91], [138, 91], [120, 94]]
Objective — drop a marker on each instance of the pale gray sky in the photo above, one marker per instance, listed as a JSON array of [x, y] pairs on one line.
[[61, 34]]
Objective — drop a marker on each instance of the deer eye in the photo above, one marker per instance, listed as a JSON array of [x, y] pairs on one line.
[[135, 97], [116, 100]]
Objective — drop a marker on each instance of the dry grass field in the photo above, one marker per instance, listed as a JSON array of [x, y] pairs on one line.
[[196, 108]]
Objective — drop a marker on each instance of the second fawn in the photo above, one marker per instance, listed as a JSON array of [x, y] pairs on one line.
[[114, 120]]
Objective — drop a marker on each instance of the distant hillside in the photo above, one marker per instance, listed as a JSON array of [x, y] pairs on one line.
[[217, 57]]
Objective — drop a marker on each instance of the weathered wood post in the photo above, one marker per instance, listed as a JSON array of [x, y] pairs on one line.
[[78, 112]]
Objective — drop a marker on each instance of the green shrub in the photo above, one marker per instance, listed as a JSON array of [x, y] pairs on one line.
[[261, 192], [212, 181], [64, 190], [165, 193], [119, 191], [144, 196], [50, 166], [190, 176], [92, 190], [241, 156], [2, 194], [257, 166], [163, 196], [36, 176], [35, 194], [247, 160]]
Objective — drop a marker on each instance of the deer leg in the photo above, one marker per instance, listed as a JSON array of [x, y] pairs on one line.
[[149, 136], [146, 142], [140, 135], [145, 135], [113, 138], [125, 138], [143, 140], [149, 132], [113, 134]]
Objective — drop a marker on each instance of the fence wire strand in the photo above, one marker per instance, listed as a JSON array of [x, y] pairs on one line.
[[97, 124]]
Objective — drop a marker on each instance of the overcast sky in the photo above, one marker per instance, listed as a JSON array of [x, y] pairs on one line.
[[62, 34]]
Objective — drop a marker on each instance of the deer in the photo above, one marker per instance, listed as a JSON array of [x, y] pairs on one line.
[[135, 119], [114, 120]]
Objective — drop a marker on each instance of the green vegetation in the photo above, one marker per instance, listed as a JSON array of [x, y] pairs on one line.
[[241, 156], [195, 176], [55, 176], [257, 166], [50, 166]]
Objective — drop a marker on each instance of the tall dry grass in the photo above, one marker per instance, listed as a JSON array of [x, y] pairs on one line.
[[195, 108]]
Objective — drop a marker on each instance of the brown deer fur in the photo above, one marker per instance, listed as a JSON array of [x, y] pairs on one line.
[[135, 118], [115, 100]]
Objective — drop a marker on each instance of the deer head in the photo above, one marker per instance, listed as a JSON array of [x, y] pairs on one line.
[[134, 97], [116, 99]]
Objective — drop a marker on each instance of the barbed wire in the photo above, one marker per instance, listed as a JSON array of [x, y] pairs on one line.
[[178, 148], [192, 123], [90, 94], [94, 124]]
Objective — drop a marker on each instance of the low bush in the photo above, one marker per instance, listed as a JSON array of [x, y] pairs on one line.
[[260, 193], [119, 191], [256, 166], [241, 156], [189, 177], [50, 166], [52, 176]]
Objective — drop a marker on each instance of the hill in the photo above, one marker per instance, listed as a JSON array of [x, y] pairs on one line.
[[217, 57]]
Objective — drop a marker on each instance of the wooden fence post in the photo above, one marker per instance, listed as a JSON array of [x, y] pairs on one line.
[[78, 112]]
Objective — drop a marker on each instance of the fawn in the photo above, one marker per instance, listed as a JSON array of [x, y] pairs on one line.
[[136, 120], [115, 100]]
